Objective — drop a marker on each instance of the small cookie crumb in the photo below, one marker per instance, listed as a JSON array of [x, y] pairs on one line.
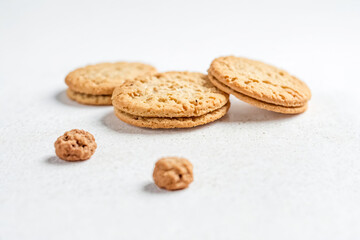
[[75, 145], [173, 173]]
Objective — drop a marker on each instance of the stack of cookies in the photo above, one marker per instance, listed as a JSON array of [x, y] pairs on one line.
[[94, 84], [260, 84], [170, 100], [144, 98]]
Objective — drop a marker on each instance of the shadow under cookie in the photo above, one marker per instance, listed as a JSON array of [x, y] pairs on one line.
[[242, 112], [153, 189], [54, 160], [62, 98]]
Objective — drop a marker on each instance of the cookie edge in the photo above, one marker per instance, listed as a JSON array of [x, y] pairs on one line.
[[258, 103], [89, 99], [158, 122]]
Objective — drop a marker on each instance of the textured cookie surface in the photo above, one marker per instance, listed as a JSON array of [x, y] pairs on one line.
[[102, 78], [89, 99], [75, 145], [173, 173], [258, 103], [177, 122], [260, 80], [171, 94]]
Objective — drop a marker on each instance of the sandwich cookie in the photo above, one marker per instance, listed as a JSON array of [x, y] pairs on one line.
[[260, 84], [170, 100], [94, 84]]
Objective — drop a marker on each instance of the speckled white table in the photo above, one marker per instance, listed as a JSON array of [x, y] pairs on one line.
[[258, 175]]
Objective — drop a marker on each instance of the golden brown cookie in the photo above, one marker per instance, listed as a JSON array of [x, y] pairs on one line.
[[173, 173], [260, 81], [170, 94], [176, 122], [101, 79], [75, 145], [89, 99], [258, 103]]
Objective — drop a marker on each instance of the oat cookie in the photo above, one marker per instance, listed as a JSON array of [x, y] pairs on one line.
[[75, 145], [101, 79], [173, 173], [260, 81], [258, 103], [176, 122], [170, 94]]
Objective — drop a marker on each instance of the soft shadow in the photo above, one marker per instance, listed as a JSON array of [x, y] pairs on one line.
[[64, 99], [243, 112], [153, 189], [112, 122], [239, 112], [53, 160]]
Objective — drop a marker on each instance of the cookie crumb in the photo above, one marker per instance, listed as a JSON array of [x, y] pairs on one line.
[[75, 145], [173, 173]]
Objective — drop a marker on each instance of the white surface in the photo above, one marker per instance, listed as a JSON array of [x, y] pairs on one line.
[[258, 175]]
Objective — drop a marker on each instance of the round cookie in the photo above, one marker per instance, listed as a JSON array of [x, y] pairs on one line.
[[102, 78], [170, 94], [258, 103], [260, 81], [173, 173], [89, 99], [177, 122], [75, 145]]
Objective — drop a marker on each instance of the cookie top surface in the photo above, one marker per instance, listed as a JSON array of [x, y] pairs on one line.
[[102, 78], [170, 94], [260, 80]]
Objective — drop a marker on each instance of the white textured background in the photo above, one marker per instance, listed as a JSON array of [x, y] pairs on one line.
[[258, 175]]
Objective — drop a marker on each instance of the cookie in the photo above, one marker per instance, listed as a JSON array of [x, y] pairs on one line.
[[176, 122], [88, 99], [257, 103], [75, 145], [170, 94], [101, 80], [173, 173], [260, 81]]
